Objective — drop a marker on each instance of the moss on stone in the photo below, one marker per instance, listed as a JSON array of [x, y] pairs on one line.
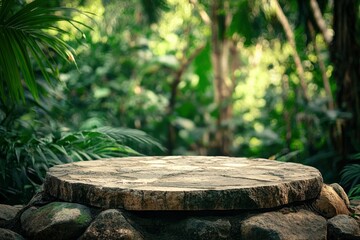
[[83, 219]]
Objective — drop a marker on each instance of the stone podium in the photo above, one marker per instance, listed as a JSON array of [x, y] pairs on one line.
[[187, 197], [183, 183]]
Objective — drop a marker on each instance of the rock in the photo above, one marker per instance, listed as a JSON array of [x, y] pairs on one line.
[[355, 202], [355, 207], [183, 183], [357, 210], [40, 199], [57, 220], [276, 225], [343, 227], [6, 234], [7, 212], [207, 229], [111, 224], [329, 203], [342, 194], [18, 207], [27, 213]]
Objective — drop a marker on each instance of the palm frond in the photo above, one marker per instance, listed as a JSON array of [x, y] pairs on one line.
[[355, 156], [350, 175], [26, 156], [25, 36], [354, 193], [133, 137], [88, 145]]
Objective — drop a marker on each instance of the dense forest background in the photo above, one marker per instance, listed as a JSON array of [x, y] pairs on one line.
[[263, 78]]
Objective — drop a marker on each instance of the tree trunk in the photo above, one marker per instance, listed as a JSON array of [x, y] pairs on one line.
[[345, 53], [223, 84], [291, 39]]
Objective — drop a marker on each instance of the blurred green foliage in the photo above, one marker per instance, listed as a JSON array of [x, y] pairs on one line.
[[33, 136], [127, 65]]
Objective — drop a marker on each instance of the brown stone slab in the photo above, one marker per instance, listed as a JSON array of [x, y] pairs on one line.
[[183, 183]]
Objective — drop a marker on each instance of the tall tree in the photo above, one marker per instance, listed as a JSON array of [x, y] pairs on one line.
[[223, 51], [225, 60], [345, 53]]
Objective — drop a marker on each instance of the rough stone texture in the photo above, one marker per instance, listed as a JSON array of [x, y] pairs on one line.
[[6, 234], [329, 203], [57, 220], [207, 229], [111, 225], [7, 213], [343, 227], [276, 225], [27, 213], [355, 202], [183, 183], [342, 194], [294, 221], [355, 207], [195, 227]]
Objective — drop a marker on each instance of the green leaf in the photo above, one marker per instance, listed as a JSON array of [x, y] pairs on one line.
[[203, 66], [125, 135], [23, 36], [242, 23], [354, 193], [350, 175]]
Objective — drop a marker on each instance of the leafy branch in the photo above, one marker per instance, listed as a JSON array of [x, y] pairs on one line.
[[25, 36], [27, 157]]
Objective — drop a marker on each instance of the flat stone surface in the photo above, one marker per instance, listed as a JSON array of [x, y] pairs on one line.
[[183, 183]]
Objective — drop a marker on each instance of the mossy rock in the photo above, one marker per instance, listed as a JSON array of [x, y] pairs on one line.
[[57, 220]]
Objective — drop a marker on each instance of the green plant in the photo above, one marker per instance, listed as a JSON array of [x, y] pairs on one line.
[[350, 178], [26, 35], [26, 156], [354, 192], [31, 138]]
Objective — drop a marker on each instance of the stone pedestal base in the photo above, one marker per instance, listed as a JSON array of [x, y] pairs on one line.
[[183, 183]]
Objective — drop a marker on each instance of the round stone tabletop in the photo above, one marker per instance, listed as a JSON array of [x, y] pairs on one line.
[[183, 183]]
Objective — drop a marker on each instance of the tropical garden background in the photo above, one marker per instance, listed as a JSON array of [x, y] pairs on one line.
[[85, 79]]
